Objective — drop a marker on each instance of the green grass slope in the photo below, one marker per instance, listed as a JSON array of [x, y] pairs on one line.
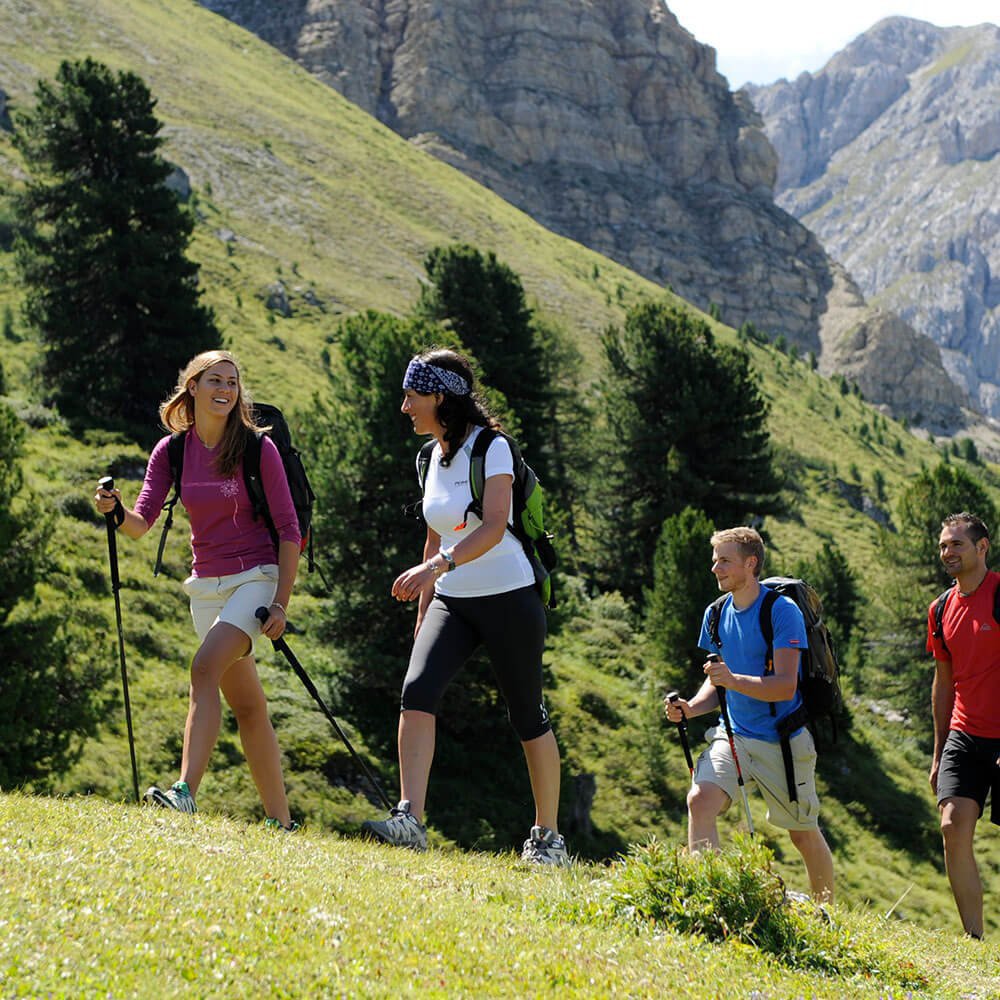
[[104, 900], [294, 184]]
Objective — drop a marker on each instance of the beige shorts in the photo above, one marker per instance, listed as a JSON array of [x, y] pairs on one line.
[[232, 599], [763, 766]]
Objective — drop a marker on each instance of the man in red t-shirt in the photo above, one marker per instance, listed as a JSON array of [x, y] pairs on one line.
[[966, 705]]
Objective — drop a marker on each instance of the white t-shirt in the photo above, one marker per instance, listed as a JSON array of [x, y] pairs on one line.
[[447, 492]]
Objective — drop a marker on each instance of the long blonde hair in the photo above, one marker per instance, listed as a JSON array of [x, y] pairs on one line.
[[177, 411]]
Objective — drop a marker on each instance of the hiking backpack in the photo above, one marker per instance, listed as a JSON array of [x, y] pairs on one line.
[[298, 482], [819, 678], [527, 512], [938, 630]]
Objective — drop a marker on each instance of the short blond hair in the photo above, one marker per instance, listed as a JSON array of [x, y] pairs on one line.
[[749, 541]]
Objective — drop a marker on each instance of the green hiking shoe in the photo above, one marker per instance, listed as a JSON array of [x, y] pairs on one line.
[[275, 824], [178, 797]]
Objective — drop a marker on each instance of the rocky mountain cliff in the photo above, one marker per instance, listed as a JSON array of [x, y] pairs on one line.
[[890, 155], [607, 122]]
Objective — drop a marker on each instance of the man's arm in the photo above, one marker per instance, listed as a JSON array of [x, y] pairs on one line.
[[779, 686], [942, 703]]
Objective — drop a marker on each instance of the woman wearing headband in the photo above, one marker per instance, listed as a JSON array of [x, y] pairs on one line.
[[474, 587]]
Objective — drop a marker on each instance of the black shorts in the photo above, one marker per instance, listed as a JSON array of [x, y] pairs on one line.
[[969, 770], [512, 628]]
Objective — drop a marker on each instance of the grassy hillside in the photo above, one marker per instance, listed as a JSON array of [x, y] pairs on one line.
[[106, 900], [293, 184]]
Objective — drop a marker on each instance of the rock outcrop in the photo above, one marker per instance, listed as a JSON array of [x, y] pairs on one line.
[[891, 154], [603, 119]]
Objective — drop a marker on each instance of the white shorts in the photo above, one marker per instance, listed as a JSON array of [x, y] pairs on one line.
[[232, 599]]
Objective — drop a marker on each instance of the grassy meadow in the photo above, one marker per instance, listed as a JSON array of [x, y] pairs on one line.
[[101, 899], [293, 184]]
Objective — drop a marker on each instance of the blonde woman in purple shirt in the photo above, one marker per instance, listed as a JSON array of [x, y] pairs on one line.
[[235, 569]]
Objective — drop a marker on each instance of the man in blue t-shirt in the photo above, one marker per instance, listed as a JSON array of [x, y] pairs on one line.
[[761, 697]]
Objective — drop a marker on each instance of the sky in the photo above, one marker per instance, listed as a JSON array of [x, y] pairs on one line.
[[760, 41]]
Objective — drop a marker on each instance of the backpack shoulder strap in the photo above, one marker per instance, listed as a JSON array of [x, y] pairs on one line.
[[767, 619], [477, 464], [175, 455], [714, 617], [254, 483], [477, 471], [424, 462], [938, 631], [996, 603], [767, 630]]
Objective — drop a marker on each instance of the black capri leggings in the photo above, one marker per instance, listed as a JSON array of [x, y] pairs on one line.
[[511, 626]]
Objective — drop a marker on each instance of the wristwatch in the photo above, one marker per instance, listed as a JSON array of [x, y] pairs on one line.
[[446, 555]]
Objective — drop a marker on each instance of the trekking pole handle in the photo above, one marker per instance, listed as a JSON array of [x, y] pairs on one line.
[[262, 615], [673, 696], [118, 512]]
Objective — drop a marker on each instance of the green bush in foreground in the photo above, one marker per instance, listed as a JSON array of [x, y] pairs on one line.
[[736, 895]]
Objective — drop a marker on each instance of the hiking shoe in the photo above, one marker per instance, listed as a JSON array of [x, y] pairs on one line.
[[400, 829], [275, 824], [178, 797], [545, 847]]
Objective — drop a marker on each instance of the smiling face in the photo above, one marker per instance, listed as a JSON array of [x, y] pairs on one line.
[[960, 556], [216, 391], [421, 408], [733, 571]]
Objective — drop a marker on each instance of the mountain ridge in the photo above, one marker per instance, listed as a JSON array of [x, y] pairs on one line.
[[891, 154]]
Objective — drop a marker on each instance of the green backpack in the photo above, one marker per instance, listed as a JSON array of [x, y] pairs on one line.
[[528, 525]]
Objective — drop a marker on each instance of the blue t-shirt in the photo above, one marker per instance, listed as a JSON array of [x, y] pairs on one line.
[[745, 652]]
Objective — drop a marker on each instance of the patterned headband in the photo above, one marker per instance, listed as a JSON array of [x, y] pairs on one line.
[[426, 378]]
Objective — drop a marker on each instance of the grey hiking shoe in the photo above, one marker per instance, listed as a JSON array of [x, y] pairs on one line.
[[400, 829], [178, 797], [545, 847]]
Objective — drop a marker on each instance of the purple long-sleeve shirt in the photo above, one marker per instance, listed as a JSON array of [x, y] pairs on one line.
[[225, 537]]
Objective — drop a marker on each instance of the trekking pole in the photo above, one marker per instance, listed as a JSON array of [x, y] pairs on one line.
[[282, 647], [715, 658], [108, 483], [682, 728]]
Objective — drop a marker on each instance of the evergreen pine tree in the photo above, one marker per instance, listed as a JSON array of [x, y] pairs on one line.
[[686, 426], [102, 249], [50, 687], [832, 577]]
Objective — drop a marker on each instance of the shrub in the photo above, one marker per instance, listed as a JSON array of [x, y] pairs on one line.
[[735, 895]]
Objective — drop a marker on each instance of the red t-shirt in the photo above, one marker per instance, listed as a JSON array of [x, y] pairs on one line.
[[973, 638]]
